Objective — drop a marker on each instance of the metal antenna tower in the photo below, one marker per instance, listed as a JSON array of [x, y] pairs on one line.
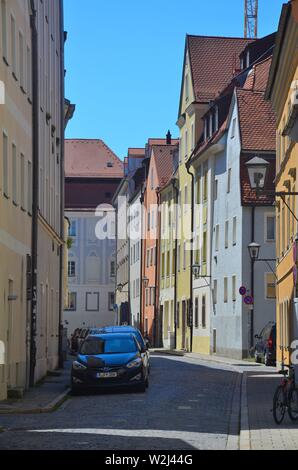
[[251, 19]]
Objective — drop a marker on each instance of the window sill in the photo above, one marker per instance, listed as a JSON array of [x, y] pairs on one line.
[[5, 60], [14, 76]]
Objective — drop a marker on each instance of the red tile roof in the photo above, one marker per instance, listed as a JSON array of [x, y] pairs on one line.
[[257, 121], [164, 161], [136, 152], [91, 158], [248, 195], [213, 61], [258, 76]]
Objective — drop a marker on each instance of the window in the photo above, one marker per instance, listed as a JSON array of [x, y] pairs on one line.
[[178, 315], [148, 258], [4, 29], [179, 257], [229, 180], [233, 128], [217, 238], [215, 189], [186, 145], [270, 228], [147, 297], [203, 311], [21, 61], [205, 190], [28, 64], [13, 46], [148, 221], [168, 263], [22, 195], [5, 164], [152, 179], [185, 198], [71, 268], [215, 291], [196, 312], [184, 256], [270, 286], [29, 191], [204, 247], [192, 136], [111, 301], [234, 230], [186, 88], [163, 265], [72, 230], [225, 289], [71, 301], [14, 174], [92, 301], [227, 234], [112, 268], [234, 288], [199, 188]]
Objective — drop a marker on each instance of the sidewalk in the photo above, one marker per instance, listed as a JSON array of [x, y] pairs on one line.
[[42, 398], [264, 433], [258, 430]]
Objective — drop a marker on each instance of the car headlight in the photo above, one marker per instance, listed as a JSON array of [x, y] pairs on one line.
[[78, 366], [134, 363]]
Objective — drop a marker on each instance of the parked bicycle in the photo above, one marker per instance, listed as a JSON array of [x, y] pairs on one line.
[[286, 396]]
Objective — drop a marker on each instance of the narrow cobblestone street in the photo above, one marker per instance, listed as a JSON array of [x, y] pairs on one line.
[[187, 406]]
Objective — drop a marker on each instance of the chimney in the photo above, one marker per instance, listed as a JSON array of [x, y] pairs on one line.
[[169, 138]]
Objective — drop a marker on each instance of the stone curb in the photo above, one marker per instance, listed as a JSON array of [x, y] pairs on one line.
[[244, 441], [45, 409], [233, 436], [170, 352]]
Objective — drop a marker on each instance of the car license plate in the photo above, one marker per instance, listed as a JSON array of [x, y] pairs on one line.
[[106, 375]]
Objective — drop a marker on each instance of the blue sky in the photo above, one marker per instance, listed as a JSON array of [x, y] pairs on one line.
[[124, 61]]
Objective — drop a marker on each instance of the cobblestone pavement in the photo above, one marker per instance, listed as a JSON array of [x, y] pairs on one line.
[[264, 433], [187, 406]]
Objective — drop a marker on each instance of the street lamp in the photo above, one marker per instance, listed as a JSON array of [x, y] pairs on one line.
[[257, 170], [196, 269], [254, 250], [146, 282]]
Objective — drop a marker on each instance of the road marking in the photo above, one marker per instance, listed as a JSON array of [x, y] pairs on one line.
[[194, 439]]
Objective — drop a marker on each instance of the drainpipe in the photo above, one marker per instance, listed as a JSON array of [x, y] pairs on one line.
[[35, 189], [187, 165], [252, 277], [62, 193], [176, 189]]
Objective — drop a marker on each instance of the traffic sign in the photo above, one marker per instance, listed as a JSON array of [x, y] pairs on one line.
[[242, 290], [248, 300]]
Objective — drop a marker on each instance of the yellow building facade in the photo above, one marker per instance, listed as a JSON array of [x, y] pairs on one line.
[[190, 125], [282, 90], [15, 193]]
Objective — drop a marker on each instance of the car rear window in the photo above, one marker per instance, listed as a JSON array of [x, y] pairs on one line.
[[96, 346]]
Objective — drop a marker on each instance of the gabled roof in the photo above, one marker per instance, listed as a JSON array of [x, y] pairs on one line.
[[163, 156], [256, 121], [136, 152], [213, 61], [91, 158]]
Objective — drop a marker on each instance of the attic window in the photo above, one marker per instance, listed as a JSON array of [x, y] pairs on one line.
[[110, 164]]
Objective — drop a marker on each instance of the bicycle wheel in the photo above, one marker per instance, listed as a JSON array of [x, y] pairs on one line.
[[293, 403], [279, 404]]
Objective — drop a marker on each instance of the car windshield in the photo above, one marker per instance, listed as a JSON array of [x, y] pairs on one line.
[[96, 346]]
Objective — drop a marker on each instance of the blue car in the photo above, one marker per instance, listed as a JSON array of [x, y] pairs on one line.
[[108, 361], [126, 329]]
